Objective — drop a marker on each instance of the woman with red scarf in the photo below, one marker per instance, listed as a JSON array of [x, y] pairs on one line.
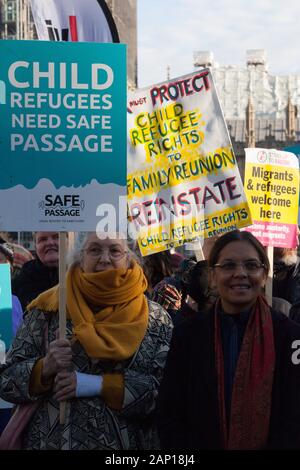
[[232, 379]]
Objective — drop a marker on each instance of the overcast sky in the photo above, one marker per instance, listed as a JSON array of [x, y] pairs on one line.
[[170, 31]]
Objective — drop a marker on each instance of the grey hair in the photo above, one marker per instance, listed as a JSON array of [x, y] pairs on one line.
[[75, 255]]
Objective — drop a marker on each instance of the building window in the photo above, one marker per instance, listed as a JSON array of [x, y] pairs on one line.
[[10, 11]]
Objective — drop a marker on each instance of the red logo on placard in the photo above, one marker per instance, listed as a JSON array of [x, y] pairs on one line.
[[262, 156]]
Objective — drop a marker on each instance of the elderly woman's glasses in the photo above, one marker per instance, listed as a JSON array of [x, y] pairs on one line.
[[251, 266], [114, 254]]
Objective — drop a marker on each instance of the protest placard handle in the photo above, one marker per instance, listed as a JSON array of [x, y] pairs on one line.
[[269, 284], [198, 251], [62, 304]]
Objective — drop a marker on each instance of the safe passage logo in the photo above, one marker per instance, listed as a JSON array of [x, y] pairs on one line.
[[69, 205]]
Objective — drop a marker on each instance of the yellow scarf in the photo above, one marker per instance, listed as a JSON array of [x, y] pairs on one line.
[[118, 327]]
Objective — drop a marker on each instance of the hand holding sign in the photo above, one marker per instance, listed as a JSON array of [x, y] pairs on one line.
[[57, 359]]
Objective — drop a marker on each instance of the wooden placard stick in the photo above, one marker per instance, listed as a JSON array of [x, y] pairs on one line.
[[62, 304], [198, 251], [269, 284]]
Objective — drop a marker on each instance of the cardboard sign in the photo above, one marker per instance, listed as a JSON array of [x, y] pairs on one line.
[[272, 188], [183, 181], [62, 133], [296, 150]]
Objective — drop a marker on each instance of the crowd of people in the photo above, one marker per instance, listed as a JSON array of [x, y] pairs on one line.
[[162, 352]]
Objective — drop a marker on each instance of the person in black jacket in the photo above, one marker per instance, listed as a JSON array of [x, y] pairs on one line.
[[198, 294], [40, 274], [294, 313], [286, 278], [232, 378]]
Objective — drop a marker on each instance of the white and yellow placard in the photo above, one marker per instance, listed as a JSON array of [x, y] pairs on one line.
[[183, 181], [272, 189]]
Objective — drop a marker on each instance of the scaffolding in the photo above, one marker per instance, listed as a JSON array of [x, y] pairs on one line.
[[16, 20], [236, 85]]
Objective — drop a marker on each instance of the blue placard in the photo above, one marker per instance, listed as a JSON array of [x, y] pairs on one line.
[[6, 329], [62, 133], [294, 149]]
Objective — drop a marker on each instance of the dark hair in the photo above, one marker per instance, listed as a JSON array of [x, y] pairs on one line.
[[237, 236], [196, 281], [157, 266]]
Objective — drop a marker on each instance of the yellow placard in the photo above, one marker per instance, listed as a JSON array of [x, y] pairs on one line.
[[167, 236], [271, 192]]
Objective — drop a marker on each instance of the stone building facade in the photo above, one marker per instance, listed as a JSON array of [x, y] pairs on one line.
[[15, 20], [125, 16]]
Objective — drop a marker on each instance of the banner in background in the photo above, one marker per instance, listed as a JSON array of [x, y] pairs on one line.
[[272, 189], [74, 20], [183, 181], [62, 134]]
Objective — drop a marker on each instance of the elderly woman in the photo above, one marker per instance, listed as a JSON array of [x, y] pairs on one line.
[[232, 378], [109, 367]]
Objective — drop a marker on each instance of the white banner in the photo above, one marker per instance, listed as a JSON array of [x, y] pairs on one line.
[[74, 20], [272, 189], [183, 181]]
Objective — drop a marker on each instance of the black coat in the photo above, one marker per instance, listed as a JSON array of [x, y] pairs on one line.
[[187, 411], [286, 281], [33, 279], [295, 312]]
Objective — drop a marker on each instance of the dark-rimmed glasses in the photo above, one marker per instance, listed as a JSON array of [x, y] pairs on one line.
[[251, 266]]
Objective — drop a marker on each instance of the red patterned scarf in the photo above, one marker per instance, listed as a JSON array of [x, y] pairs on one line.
[[252, 387]]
